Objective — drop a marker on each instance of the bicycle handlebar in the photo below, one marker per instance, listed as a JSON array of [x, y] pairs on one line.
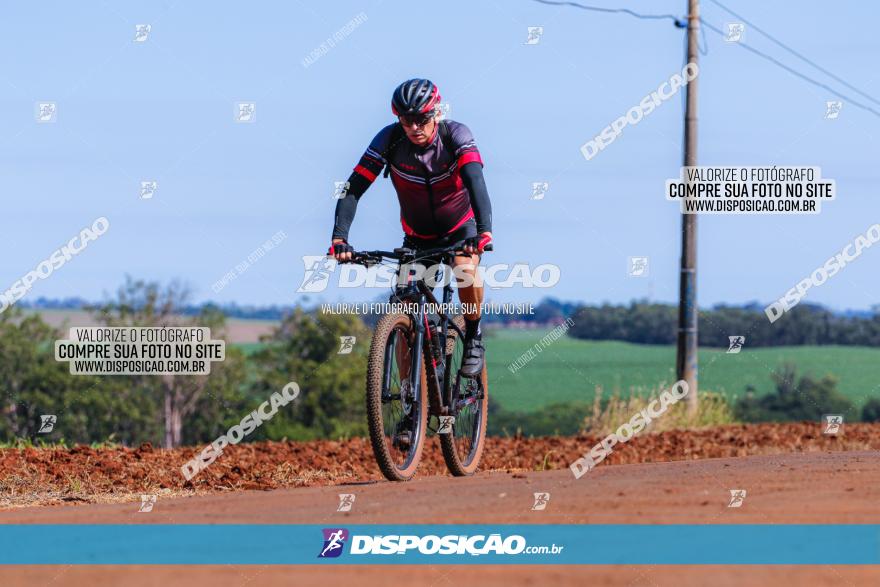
[[369, 258]]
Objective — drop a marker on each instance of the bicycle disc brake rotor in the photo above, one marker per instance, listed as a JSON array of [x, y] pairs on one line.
[[468, 392], [406, 397]]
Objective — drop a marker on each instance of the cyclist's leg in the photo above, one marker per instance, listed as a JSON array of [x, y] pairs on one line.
[[470, 285], [470, 293]]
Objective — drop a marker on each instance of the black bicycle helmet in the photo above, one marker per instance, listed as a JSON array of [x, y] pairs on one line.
[[414, 96]]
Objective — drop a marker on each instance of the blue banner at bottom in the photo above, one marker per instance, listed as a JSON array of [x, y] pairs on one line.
[[258, 544]]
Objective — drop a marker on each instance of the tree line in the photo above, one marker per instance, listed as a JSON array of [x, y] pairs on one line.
[[650, 323], [174, 410]]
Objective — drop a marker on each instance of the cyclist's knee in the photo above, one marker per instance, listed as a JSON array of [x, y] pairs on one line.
[[466, 270]]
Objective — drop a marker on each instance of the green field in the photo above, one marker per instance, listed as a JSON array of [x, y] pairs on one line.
[[571, 369], [249, 348]]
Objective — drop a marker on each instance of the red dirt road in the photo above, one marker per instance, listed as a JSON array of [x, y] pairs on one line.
[[828, 487], [55, 476]]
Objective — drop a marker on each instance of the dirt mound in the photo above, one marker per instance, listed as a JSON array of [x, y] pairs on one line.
[[34, 476]]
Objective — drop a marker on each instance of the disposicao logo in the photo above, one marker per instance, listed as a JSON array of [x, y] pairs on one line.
[[334, 540]]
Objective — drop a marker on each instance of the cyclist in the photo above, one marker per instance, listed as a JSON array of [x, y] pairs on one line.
[[437, 172]]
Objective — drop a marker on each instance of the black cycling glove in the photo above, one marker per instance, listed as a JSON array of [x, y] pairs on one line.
[[339, 248], [479, 242]]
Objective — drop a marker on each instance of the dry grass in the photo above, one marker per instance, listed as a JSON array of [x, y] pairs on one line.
[[608, 415]]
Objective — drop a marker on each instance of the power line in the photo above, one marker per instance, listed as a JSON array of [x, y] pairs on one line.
[[705, 49], [680, 23], [794, 72], [795, 53], [672, 17]]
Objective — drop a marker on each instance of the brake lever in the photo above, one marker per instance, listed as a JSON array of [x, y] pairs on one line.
[[365, 260], [461, 252]]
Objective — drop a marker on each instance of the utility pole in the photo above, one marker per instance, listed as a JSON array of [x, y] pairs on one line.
[[686, 357]]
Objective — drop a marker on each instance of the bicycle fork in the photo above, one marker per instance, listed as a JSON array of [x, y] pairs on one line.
[[426, 342]]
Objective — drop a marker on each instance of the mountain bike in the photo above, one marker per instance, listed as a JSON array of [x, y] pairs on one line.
[[413, 373]]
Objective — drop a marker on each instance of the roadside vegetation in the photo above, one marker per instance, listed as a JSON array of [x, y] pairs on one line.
[[573, 386]]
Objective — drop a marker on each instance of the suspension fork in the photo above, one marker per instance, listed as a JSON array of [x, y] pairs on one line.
[[444, 336], [427, 344], [415, 372], [391, 359]]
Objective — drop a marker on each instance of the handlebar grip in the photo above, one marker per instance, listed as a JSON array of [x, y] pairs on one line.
[[489, 247]]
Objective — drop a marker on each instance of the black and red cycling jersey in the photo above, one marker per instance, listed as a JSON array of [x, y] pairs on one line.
[[440, 186]]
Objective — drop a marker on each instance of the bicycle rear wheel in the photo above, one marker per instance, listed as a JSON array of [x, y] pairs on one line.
[[397, 414], [463, 447]]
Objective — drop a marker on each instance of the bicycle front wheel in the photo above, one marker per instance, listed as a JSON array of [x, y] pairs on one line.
[[463, 446], [397, 414]]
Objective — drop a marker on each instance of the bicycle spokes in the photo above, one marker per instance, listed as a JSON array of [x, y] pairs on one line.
[[467, 406], [399, 400], [467, 402]]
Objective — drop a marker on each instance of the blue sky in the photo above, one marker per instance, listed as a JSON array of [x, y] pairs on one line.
[[163, 110]]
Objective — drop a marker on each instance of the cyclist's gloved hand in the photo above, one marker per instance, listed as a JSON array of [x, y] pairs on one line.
[[477, 244], [340, 250]]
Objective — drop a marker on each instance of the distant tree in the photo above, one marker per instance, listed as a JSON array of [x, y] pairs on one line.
[[794, 399], [805, 324], [305, 348], [560, 419], [148, 304], [34, 384], [639, 322], [871, 410]]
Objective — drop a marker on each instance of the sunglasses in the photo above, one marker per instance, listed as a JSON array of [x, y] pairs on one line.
[[417, 119]]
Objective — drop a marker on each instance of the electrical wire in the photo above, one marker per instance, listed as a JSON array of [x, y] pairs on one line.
[[674, 18], [682, 23], [795, 53], [794, 72]]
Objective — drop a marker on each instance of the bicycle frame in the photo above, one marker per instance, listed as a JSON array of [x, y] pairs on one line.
[[417, 292], [428, 329]]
